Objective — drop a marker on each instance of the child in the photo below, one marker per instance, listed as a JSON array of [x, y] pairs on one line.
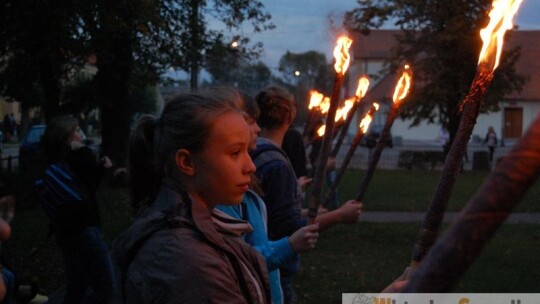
[[76, 224], [180, 249], [252, 209], [279, 183]]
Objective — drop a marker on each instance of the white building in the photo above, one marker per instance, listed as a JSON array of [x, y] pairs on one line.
[[517, 110]]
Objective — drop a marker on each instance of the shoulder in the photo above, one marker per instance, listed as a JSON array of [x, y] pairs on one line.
[[180, 257], [178, 252], [267, 152]]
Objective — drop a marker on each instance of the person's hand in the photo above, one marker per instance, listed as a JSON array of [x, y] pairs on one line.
[[304, 181], [399, 284], [305, 238], [5, 230], [350, 211], [105, 162], [322, 210]]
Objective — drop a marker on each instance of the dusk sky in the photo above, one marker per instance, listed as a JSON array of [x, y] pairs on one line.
[[302, 25]]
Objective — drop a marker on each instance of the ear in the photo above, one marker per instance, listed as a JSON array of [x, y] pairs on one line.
[[184, 162], [292, 116]]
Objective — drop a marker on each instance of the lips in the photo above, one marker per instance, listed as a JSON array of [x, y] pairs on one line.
[[244, 187]]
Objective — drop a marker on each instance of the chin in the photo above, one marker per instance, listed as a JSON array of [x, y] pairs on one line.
[[231, 201]]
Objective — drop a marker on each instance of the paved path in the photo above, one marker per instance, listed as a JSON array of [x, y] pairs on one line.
[[412, 217]]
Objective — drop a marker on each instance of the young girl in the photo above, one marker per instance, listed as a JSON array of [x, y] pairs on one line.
[[252, 209], [77, 225], [180, 249]]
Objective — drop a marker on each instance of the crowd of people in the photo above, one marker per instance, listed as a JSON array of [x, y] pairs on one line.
[[218, 211]]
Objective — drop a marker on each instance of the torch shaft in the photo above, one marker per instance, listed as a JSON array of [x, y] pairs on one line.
[[452, 164], [377, 152], [307, 128], [320, 168], [502, 190], [350, 153]]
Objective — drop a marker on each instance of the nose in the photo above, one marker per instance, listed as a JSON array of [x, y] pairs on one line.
[[249, 167]]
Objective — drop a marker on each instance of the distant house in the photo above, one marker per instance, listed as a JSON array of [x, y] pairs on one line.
[[517, 110]]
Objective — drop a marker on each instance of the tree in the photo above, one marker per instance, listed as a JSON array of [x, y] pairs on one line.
[[227, 57], [254, 78], [304, 72], [197, 38], [37, 47], [134, 42], [301, 67], [441, 40]]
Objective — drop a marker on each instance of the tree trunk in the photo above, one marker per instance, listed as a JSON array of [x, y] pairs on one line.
[[114, 70], [195, 44], [49, 75]]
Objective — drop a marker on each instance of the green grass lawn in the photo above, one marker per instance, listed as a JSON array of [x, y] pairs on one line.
[[362, 257], [406, 190], [366, 257]]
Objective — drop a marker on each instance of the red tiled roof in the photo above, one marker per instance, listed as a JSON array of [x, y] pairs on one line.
[[376, 46]]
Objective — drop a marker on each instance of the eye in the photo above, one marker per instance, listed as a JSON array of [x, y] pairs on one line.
[[236, 153]]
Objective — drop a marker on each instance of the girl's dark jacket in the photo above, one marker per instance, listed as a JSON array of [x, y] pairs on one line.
[[177, 251]]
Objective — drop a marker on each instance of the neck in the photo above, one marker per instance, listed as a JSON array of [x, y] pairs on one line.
[[197, 199], [275, 135]]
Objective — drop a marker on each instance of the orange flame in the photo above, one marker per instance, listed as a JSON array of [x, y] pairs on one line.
[[501, 15], [324, 106], [321, 131], [403, 85], [315, 99], [341, 54], [368, 118], [363, 85], [342, 112]]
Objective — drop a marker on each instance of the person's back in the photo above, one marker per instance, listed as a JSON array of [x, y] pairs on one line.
[[293, 146]]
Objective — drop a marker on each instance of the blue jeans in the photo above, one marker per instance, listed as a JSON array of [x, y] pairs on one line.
[[9, 283], [88, 264], [287, 272], [289, 295]]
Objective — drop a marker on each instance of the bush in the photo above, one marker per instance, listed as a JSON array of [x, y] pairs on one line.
[[421, 160]]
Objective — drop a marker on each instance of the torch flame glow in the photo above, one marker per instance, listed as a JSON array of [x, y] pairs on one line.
[[324, 106], [363, 85], [342, 112], [368, 118], [501, 16], [403, 85], [321, 130], [315, 99], [341, 54]]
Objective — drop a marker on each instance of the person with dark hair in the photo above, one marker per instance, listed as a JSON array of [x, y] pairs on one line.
[[253, 210], [76, 223], [180, 248], [279, 183]]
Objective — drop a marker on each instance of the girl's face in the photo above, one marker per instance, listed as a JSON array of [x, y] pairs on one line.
[[222, 170], [76, 136], [254, 130]]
